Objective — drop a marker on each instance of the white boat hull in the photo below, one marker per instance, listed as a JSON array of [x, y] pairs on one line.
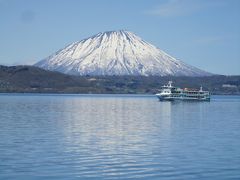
[[170, 98]]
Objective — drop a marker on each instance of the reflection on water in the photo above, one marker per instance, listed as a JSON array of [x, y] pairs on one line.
[[111, 135], [117, 137]]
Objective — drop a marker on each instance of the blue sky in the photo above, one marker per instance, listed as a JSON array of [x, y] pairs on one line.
[[202, 33]]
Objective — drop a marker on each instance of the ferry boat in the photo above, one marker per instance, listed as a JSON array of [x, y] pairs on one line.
[[171, 93]]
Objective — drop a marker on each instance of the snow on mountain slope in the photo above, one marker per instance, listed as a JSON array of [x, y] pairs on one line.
[[116, 53]]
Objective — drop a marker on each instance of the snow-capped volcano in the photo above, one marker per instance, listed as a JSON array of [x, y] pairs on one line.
[[116, 53]]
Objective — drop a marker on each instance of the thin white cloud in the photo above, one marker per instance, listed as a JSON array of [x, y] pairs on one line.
[[16, 63], [172, 8]]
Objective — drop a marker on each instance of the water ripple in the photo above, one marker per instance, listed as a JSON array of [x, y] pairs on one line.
[[118, 137]]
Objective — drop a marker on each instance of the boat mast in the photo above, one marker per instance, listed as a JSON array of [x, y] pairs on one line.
[[169, 83]]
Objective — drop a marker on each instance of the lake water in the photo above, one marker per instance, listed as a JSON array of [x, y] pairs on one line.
[[118, 137]]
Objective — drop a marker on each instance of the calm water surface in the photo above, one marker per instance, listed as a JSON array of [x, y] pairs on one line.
[[118, 137]]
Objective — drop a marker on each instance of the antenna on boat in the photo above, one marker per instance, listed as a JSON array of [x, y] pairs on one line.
[[170, 83], [200, 88]]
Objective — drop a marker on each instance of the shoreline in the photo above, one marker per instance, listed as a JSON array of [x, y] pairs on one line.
[[95, 94]]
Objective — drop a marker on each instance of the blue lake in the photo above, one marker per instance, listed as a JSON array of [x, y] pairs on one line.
[[118, 137]]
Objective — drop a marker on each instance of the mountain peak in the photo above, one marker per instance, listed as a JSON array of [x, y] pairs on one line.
[[121, 31], [116, 34], [118, 52]]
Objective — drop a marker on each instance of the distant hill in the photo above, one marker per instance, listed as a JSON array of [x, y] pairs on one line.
[[30, 79], [34, 79]]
